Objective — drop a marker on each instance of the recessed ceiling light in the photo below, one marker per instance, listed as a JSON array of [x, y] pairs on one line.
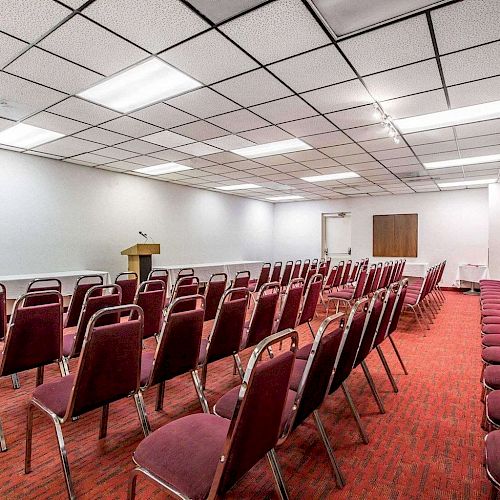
[[272, 148], [458, 162], [143, 84], [164, 168], [237, 187], [331, 177], [285, 198], [26, 136], [477, 182], [467, 114]]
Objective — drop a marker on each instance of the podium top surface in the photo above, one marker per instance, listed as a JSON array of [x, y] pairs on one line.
[[142, 249]]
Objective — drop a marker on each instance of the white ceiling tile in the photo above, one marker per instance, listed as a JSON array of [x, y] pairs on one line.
[[286, 21], [230, 142], [355, 117], [310, 154], [164, 116], [265, 135], [236, 175], [381, 144], [467, 23], [239, 121], [222, 157], [30, 20], [68, 146], [400, 43], [147, 161], [140, 147], [320, 164], [337, 97], [438, 135], [6, 123], [404, 81], [485, 140], [196, 163], [21, 98], [201, 58], [171, 155], [203, 103], [435, 147], [219, 169], [102, 136], [55, 123], [391, 153], [471, 64], [92, 158], [468, 94], [83, 111], [308, 126], [375, 131], [262, 171], [273, 160], [130, 126], [122, 165], [9, 48], [197, 149], [86, 43], [397, 162], [328, 139], [116, 153], [152, 24], [284, 110], [35, 153], [319, 68], [343, 150], [223, 9], [244, 164], [419, 104], [289, 167], [253, 88], [200, 130], [479, 128], [41, 67], [353, 159], [167, 139]]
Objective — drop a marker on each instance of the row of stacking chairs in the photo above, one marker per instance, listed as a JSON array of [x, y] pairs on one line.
[[253, 420]]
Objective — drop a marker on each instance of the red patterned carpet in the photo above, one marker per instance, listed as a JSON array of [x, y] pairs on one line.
[[427, 446]]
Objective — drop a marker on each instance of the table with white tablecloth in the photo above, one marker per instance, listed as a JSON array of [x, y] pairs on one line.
[[415, 269], [472, 273]]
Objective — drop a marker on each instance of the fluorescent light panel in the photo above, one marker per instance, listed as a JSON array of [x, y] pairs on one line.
[[459, 162], [285, 198], [26, 136], [163, 168], [272, 148], [467, 114], [330, 177], [237, 187], [143, 84], [477, 182]]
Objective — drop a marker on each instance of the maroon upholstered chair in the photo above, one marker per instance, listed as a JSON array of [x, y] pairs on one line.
[[264, 275], [311, 301], [353, 276], [178, 349], [345, 274], [305, 268], [43, 285], [287, 274], [492, 460], [339, 275], [3, 311], [150, 297], [185, 271], [96, 299], [310, 273], [348, 296], [315, 264], [276, 273], [158, 274], [202, 455], [296, 269], [128, 282], [184, 287], [33, 339], [82, 285], [241, 280], [215, 290], [108, 370], [227, 331], [290, 307], [376, 277]]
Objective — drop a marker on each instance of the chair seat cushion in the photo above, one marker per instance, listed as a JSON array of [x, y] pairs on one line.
[[298, 370], [303, 352], [492, 455], [68, 340], [491, 329], [341, 294], [493, 406], [491, 355], [491, 340], [55, 395], [185, 453], [410, 300], [492, 377], [203, 351], [491, 320], [491, 311], [146, 366]]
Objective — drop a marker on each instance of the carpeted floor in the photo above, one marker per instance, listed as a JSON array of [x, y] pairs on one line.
[[427, 446]]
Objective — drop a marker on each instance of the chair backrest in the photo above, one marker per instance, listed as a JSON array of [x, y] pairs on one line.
[[241, 280], [376, 277], [322, 269], [296, 269], [262, 320], [311, 299], [399, 276], [276, 274], [393, 272], [287, 273], [43, 285], [305, 268], [383, 276], [331, 278], [150, 297], [227, 331], [369, 280], [338, 275], [180, 338], [34, 336], [441, 271], [354, 272], [290, 307], [186, 286], [360, 285], [3, 311], [157, 275], [265, 272], [95, 300], [128, 282], [82, 285], [396, 313], [109, 367], [256, 423], [213, 294], [388, 276], [314, 263], [185, 271], [345, 275], [310, 273]]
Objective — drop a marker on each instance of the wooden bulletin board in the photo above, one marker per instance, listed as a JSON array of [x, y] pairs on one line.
[[395, 235]]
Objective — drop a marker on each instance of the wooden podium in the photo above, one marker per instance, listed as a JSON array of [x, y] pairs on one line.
[[139, 258]]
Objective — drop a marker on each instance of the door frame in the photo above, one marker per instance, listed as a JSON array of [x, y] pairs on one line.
[[324, 217]]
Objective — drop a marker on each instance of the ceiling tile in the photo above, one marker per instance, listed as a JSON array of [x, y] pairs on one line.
[[253, 88], [116, 153], [102, 136], [310, 154], [68, 146], [353, 159], [55, 123], [122, 165], [479, 128], [284, 110], [83, 111], [287, 21], [438, 135], [435, 147], [465, 24], [86, 43], [265, 135], [391, 153], [164, 116], [219, 169], [130, 126], [171, 155], [10, 48], [485, 140], [6, 123], [273, 160], [201, 58], [381, 144], [239, 121], [319, 68], [147, 161], [344, 149], [308, 126], [40, 66], [321, 163], [230, 142], [337, 97], [92, 158], [375, 131], [203, 103], [419, 104], [152, 24], [472, 64], [30, 20], [404, 81], [167, 139], [355, 117], [21, 98], [328, 139], [197, 149], [400, 43], [468, 94], [200, 130], [223, 157], [140, 147], [223, 9]]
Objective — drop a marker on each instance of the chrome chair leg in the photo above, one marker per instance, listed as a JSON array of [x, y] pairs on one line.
[[3, 444], [199, 391], [398, 355], [204, 371], [132, 483], [355, 413], [371, 383], [141, 411], [239, 366], [310, 329], [387, 369], [15, 381], [278, 476], [339, 477], [64, 459], [29, 439], [103, 428]]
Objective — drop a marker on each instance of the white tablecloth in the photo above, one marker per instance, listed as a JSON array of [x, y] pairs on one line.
[[472, 273], [16, 284], [415, 269]]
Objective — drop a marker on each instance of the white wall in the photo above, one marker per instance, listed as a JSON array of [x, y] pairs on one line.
[[494, 230], [56, 216], [452, 225]]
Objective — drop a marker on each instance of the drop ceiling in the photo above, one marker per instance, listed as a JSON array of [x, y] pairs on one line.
[[270, 71]]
